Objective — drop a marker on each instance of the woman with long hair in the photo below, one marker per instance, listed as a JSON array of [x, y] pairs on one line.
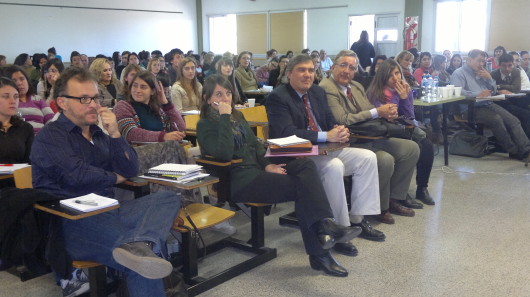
[[318, 68], [244, 73], [439, 64], [497, 52], [405, 60], [16, 136], [424, 67], [146, 115], [223, 133], [50, 74], [456, 62], [32, 107], [186, 91], [225, 67], [278, 75], [129, 72], [388, 86], [108, 84]]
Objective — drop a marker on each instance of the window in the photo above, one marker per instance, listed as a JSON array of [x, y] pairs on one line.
[[461, 25], [223, 34]]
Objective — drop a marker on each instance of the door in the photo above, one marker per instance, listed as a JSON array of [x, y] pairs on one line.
[[386, 35]]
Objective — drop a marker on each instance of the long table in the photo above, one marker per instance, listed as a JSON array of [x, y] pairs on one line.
[[443, 102]]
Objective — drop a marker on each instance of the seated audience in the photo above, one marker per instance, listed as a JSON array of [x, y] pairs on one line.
[[16, 136], [186, 92], [24, 61], [50, 73], [154, 66], [289, 54], [318, 68], [225, 67], [477, 82], [129, 72], [223, 133], [71, 157], [244, 73], [277, 76], [372, 69], [262, 74], [525, 62], [497, 52], [300, 108], [425, 66], [508, 79], [438, 69], [174, 57], [86, 62], [271, 54], [396, 158], [525, 81], [39, 60], [2, 60], [146, 115], [389, 87], [448, 55], [405, 59], [108, 84], [456, 62], [32, 107], [123, 64], [325, 61], [75, 59]]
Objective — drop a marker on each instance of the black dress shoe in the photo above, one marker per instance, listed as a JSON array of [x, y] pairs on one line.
[[411, 203], [346, 248], [330, 233], [423, 195], [369, 232], [328, 264]]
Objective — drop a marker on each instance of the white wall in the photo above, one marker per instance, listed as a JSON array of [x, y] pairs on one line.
[[327, 20], [33, 29]]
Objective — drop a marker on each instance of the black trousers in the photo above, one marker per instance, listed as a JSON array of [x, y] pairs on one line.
[[515, 107], [301, 185], [425, 161]]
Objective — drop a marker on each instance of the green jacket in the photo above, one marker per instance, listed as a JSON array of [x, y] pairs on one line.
[[217, 139]]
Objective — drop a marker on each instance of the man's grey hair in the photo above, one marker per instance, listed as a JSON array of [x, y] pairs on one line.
[[297, 60], [345, 53]]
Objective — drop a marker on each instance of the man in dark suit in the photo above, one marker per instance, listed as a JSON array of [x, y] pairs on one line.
[[508, 79], [300, 108]]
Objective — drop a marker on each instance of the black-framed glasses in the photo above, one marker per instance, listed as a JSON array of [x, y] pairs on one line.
[[84, 100]]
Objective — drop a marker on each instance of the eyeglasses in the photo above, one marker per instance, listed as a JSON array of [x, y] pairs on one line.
[[83, 100], [350, 67]]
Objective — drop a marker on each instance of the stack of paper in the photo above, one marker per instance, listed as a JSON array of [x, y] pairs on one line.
[[174, 171], [286, 141], [89, 202], [10, 168]]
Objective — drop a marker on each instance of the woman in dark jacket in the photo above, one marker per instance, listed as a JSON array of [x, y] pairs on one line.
[[364, 50], [223, 133]]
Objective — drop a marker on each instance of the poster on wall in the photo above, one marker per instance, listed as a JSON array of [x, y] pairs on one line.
[[410, 34]]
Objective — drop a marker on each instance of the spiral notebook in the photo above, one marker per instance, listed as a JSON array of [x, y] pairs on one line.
[[174, 169]]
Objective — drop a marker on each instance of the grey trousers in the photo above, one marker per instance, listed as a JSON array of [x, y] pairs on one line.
[[505, 127], [396, 160]]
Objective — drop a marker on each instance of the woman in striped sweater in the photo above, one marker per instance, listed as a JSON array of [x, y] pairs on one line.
[[146, 115], [32, 107]]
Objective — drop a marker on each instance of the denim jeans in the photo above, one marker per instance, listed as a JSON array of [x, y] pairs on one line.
[[145, 219]]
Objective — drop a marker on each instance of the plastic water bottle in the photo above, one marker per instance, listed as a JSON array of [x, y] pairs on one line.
[[435, 88], [429, 88], [424, 87]]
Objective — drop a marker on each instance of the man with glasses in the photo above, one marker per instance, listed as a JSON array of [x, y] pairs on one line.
[[300, 108], [508, 79], [396, 158], [476, 82], [72, 157]]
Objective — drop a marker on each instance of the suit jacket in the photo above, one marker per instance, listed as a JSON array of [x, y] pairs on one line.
[[287, 114], [345, 111], [514, 86]]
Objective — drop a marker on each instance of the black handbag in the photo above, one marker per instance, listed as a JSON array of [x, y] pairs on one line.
[[379, 128], [469, 144]]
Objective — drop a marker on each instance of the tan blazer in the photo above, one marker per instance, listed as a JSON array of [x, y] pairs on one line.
[[344, 111]]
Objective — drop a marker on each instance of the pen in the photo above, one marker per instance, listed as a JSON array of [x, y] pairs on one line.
[[86, 202], [216, 103]]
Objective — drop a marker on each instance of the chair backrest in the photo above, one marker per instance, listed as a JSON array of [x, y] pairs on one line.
[[258, 114], [23, 178], [191, 121]]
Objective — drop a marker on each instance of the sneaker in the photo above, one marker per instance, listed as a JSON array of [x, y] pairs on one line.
[[80, 275], [225, 227], [74, 287], [138, 257]]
